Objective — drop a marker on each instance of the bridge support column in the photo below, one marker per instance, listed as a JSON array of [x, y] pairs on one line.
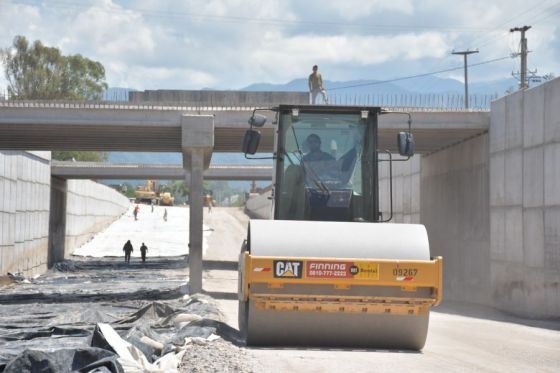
[[197, 132], [57, 221]]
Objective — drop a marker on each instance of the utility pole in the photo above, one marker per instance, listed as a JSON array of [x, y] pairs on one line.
[[523, 83], [465, 54]]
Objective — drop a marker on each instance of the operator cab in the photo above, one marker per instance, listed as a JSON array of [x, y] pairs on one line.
[[324, 164], [326, 161]]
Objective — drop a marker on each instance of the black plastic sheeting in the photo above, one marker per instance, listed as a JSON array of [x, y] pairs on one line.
[[87, 360], [76, 345]]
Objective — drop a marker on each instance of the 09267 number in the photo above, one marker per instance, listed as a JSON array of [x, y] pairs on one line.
[[405, 271]]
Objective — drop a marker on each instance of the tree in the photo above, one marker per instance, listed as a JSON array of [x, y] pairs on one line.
[[80, 156], [38, 72], [179, 190]]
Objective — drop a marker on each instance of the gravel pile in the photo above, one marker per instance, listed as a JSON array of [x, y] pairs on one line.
[[215, 356]]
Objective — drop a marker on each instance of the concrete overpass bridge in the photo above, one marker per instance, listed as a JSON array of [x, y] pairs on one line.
[[196, 132], [125, 127], [94, 170]]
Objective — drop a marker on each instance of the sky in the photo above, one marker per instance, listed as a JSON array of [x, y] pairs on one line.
[[230, 44]]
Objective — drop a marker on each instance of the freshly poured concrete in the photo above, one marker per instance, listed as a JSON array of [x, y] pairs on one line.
[[163, 238]]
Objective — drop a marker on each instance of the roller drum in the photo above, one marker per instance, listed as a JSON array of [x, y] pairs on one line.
[[334, 329]]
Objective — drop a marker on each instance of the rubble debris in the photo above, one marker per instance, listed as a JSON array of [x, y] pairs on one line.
[[152, 338], [216, 356]]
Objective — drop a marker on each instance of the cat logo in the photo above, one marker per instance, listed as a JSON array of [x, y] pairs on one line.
[[288, 268]]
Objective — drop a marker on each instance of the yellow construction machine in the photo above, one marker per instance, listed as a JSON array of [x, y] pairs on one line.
[[149, 194], [328, 270], [166, 199]]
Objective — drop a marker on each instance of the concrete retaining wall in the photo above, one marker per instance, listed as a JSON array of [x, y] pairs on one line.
[[218, 98], [406, 189], [525, 201], [25, 197], [454, 208], [259, 206], [24, 211], [90, 207]]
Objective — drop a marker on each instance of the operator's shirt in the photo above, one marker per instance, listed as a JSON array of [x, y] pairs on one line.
[[315, 81], [318, 156]]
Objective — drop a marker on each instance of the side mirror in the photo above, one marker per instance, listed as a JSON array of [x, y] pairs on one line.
[[405, 142], [251, 141], [257, 120]]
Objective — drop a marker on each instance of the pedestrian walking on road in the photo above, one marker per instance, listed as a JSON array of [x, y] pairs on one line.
[[165, 215], [128, 249], [152, 204], [135, 212], [143, 250], [208, 202]]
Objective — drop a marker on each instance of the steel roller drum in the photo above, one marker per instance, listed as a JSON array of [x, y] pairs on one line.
[[335, 240]]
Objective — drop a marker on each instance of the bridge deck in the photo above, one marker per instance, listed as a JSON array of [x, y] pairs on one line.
[[112, 127], [94, 170]]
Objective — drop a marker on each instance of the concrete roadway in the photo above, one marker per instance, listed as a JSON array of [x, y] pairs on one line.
[[462, 338]]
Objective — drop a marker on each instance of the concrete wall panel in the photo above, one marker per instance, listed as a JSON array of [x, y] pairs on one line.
[[533, 237], [533, 177], [551, 110], [454, 207], [513, 177], [533, 118], [514, 120], [90, 207], [25, 189], [552, 239], [497, 179], [525, 234], [514, 234], [406, 190], [552, 174], [23, 229]]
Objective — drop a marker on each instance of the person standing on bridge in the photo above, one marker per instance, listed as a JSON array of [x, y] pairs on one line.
[[143, 250], [315, 82], [128, 249]]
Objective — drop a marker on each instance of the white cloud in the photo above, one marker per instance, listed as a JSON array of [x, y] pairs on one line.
[[189, 44], [122, 75], [288, 55], [354, 9]]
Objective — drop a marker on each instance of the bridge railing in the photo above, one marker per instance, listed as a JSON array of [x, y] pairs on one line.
[[407, 101]]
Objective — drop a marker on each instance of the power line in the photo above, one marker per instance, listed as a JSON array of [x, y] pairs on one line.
[[420, 75], [486, 38], [243, 19], [546, 16]]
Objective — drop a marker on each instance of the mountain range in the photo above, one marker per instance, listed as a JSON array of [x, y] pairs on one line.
[[423, 85]]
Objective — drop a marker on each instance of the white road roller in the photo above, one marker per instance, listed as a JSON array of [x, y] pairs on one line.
[[327, 270]]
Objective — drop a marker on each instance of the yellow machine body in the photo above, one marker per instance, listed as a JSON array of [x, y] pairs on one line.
[[328, 269], [342, 274]]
